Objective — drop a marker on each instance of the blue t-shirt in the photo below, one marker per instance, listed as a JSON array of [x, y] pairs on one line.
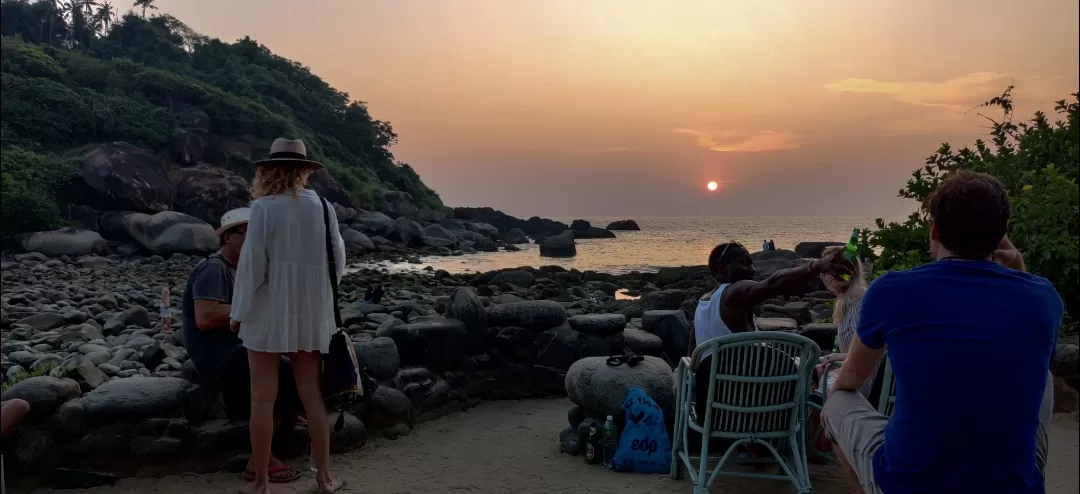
[[209, 350], [970, 344]]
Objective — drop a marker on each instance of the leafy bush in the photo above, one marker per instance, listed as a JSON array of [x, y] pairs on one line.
[[44, 370], [1037, 161], [28, 184]]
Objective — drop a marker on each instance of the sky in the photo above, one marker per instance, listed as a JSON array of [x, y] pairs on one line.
[[628, 108]]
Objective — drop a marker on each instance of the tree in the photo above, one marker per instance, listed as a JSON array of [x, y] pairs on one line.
[[1038, 163], [104, 16], [145, 4]]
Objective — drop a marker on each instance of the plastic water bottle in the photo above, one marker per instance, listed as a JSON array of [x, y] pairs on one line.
[[611, 440]]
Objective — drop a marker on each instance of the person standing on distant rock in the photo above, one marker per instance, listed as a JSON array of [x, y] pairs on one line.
[[368, 293], [377, 295], [283, 300], [216, 351]]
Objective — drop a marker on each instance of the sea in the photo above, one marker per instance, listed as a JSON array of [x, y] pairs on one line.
[[660, 242]]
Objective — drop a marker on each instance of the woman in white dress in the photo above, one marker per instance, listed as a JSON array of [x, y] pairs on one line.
[[282, 301]]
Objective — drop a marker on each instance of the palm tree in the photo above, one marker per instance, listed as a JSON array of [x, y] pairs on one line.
[[104, 16], [145, 4]]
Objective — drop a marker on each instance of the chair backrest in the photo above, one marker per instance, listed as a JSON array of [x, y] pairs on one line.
[[887, 399], [760, 383]]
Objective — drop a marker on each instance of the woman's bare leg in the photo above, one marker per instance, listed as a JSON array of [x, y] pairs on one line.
[[264, 381], [308, 369]]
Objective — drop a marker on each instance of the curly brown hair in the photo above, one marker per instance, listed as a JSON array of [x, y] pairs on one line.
[[279, 179]]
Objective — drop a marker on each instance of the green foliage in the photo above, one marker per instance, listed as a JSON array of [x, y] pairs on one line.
[[28, 184], [44, 370], [1037, 161], [74, 76]]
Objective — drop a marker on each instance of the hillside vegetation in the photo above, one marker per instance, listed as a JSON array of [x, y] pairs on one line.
[[74, 74]]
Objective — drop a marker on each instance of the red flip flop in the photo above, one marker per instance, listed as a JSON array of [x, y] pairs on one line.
[[279, 474]]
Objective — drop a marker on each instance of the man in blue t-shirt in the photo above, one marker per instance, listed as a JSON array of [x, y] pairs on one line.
[[969, 338]]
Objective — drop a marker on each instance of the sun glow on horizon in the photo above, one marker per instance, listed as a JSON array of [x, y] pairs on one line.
[[712, 186]]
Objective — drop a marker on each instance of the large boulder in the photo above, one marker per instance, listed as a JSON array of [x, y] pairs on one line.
[[600, 388], [623, 225], [44, 394], [561, 245], [63, 242], [167, 232], [515, 236], [518, 277], [672, 328], [598, 324], [435, 342], [396, 203], [379, 356], [324, 184], [207, 193], [486, 229], [133, 398], [193, 146], [430, 215], [435, 235], [356, 241], [812, 250], [405, 231], [120, 176], [467, 307], [373, 223], [536, 315], [594, 232]]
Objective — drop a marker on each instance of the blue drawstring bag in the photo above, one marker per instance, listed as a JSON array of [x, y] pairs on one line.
[[644, 446]]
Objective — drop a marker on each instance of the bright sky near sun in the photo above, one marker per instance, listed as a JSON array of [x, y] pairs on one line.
[[630, 107]]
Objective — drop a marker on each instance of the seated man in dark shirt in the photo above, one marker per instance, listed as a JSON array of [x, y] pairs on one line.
[[963, 422], [216, 351]]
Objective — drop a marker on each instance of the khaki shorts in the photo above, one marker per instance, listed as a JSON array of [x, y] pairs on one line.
[[858, 430]]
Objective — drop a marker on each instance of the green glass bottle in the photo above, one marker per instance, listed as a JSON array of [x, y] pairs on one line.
[[851, 252]]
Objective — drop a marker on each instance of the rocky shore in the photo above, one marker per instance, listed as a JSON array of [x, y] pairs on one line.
[[111, 395]]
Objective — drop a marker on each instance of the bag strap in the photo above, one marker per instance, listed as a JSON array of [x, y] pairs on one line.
[[330, 260]]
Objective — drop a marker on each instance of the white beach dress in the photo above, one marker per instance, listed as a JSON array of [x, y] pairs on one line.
[[282, 296]]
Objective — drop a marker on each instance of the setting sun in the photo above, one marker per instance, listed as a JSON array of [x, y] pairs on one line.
[[711, 186]]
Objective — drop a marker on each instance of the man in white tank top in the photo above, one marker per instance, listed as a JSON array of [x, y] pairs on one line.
[[729, 308]]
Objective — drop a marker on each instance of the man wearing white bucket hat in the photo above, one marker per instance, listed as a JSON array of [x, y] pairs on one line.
[[216, 351]]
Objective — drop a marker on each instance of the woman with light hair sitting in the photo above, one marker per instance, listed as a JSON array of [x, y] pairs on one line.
[[283, 300]]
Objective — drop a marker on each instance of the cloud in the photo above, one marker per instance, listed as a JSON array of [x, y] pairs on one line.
[[957, 93], [617, 149], [741, 142]]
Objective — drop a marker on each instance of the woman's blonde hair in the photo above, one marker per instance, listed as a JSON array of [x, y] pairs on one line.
[[279, 179], [855, 288]]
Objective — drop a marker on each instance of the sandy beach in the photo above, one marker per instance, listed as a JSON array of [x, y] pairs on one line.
[[511, 447]]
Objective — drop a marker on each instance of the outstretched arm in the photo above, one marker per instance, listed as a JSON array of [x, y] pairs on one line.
[[786, 282]]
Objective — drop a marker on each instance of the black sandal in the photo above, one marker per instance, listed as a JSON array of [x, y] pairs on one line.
[[629, 357]]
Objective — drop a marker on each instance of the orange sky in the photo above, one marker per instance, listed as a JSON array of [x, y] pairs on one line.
[[628, 108]]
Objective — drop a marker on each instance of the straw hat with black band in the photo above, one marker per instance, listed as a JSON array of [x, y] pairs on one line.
[[288, 152]]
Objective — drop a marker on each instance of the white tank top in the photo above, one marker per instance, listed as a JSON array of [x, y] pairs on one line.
[[707, 321]]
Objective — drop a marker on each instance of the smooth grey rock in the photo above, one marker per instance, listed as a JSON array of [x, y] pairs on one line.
[[601, 388], [643, 343], [672, 328], [467, 307], [135, 397], [535, 315], [44, 394], [598, 324], [352, 435], [435, 342], [379, 356], [43, 321]]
